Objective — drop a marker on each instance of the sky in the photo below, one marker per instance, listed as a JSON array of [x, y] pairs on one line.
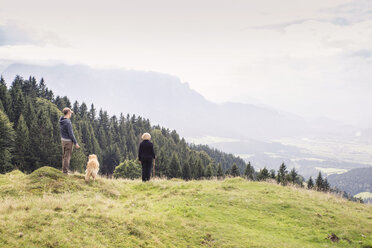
[[312, 58]]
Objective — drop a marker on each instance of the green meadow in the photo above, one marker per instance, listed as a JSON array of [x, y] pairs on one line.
[[49, 209]]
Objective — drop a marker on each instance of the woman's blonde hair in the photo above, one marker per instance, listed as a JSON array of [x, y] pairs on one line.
[[146, 136]]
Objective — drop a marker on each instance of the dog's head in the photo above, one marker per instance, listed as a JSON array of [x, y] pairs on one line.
[[92, 157]]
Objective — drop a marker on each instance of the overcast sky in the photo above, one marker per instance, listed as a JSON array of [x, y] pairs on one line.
[[312, 58]]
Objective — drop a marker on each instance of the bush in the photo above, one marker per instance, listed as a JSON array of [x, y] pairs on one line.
[[128, 169]]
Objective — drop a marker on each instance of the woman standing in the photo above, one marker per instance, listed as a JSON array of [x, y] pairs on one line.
[[146, 154]]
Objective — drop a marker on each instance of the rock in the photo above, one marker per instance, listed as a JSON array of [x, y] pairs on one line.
[[333, 237]]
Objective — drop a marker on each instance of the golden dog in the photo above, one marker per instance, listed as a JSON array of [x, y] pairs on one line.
[[92, 167]]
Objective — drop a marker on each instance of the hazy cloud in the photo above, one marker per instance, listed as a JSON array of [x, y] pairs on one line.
[[12, 34], [362, 54], [353, 11], [308, 57]]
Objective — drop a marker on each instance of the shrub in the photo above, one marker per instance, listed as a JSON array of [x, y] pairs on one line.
[[128, 169]]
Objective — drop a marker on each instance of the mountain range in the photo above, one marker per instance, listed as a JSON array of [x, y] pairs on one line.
[[163, 99], [257, 133]]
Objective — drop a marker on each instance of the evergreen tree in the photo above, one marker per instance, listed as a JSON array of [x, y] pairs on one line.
[[92, 113], [22, 145], [319, 182], [76, 109], [83, 111], [49, 95], [220, 173], [326, 185], [235, 171], [293, 176], [45, 139], [272, 174], [79, 158], [282, 174], [59, 102], [175, 166], [29, 87], [62, 102], [199, 169], [310, 183], [175, 136], [111, 158], [31, 120], [42, 88], [226, 160], [162, 167], [192, 161], [205, 158], [5, 97], [132, 142], [263, 174], [18, 102], [66, 101], [186, 173], [6, 143], [209, 171], [249, 171]]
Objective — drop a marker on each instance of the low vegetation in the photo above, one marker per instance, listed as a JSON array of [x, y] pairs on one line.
[[49, 209]]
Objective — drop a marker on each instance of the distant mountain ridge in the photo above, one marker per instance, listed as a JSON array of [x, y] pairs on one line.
[[164, 99], [354, 181]]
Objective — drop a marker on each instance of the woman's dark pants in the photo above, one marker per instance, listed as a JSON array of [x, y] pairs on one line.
[[146, 169]]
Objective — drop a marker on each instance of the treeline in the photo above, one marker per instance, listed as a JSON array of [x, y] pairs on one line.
[[30, 138], [322, 184]]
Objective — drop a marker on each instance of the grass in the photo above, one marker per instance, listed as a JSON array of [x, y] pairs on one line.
[[49, 209]]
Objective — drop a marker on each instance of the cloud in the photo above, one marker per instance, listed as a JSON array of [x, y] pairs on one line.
[[362, 53], [306, 58], [353, 11], [279, 25], [340, 15], [15, 34], [339, 21], [12, 34]]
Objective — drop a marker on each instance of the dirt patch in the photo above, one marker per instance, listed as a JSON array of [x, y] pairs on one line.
[[333, 237]]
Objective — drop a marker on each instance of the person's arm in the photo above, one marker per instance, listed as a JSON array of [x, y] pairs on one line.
[[139, 152], [71, 134]]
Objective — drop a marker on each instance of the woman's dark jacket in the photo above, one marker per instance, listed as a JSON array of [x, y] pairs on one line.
[[146, 150]]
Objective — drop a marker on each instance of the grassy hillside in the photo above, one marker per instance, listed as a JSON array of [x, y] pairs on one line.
[[48, 209]]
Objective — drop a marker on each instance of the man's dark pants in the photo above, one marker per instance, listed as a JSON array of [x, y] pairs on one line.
[[146, 169]]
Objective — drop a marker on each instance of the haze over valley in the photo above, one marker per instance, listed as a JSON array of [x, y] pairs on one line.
[[261, 134]]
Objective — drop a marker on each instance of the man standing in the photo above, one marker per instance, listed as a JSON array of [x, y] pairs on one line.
[[68, 139]]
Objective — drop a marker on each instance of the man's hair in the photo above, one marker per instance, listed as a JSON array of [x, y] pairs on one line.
[[66, 111]]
